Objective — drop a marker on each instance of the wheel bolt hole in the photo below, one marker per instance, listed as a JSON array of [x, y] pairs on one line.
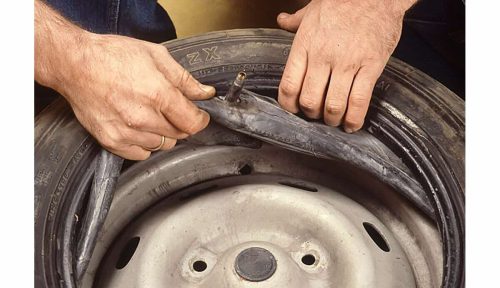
[[308, 259], [199, 266], [246, 170]]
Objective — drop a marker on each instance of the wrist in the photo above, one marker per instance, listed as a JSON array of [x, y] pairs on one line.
[[58, 45], [395, 7], [401, 6], [65, 58]]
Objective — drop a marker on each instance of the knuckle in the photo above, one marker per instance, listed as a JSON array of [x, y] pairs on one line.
[[350, 68], [115, 136], [288, 88], [138, 122], [159, 49], [108, 142], [308, 104], [124, 135], [135, 121], [156, 96], [335, 108], [184, 79], [165, 106], [124, 115]]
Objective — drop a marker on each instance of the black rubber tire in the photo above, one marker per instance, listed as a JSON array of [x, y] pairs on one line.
[[64, 151]]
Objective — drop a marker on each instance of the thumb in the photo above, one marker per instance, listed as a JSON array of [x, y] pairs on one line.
[[291, 22], [181, 78]]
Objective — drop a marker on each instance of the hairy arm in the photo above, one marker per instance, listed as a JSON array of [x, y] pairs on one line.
[[126, 92], [52, 33]]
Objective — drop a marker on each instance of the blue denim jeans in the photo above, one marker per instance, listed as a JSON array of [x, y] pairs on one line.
[[142, 19]]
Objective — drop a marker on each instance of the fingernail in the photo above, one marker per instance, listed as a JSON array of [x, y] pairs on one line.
[[208, 89], [348, 130], [283, 15]]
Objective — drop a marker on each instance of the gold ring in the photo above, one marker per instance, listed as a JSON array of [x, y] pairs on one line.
[[159, 146]]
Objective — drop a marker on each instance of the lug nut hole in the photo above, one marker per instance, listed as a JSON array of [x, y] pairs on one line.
[[308, 259], [199, 266]]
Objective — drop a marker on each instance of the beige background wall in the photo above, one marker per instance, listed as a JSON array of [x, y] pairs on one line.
[[193, 17]]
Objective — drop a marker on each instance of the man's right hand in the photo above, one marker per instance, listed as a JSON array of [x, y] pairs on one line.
[[126, 92]]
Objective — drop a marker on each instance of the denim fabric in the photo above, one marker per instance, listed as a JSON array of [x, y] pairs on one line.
[[142, 19]]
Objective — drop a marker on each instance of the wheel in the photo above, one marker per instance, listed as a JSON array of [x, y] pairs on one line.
[[415, 127]]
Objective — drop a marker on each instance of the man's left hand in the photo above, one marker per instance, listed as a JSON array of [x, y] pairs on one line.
[[340, 49]]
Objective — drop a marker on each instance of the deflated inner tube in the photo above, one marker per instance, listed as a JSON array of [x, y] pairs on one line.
[[413, 140]]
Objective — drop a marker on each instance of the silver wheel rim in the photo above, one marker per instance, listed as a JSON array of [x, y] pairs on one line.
[[335, 225]]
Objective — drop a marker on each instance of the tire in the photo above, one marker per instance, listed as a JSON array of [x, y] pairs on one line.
[[64, 151]]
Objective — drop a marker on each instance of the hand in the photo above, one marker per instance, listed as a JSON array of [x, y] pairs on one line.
[[340, 49], [128, 93]]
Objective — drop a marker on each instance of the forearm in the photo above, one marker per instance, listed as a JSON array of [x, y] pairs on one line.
[[56, 40]]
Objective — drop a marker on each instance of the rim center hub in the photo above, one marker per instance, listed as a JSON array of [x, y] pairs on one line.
[[255, 264]]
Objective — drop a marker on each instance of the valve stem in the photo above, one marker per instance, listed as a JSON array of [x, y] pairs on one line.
[[233, 94]]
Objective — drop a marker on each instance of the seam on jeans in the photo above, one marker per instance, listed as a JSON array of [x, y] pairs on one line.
[[114, 11]]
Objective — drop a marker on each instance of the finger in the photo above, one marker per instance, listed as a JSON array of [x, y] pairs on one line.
[[162, 126], [130, 152], [313, 89], [181, 112], [154, 122], [181, 78], [168, 144], [291, 82], [113, 140], [134, 145], [337, 95], [149, 141], [291, 22], [359, 98]]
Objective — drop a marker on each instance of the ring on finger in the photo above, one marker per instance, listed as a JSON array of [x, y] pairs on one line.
[[159, 146]]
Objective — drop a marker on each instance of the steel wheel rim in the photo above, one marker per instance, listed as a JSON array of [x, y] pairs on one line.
[[425, 274]]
